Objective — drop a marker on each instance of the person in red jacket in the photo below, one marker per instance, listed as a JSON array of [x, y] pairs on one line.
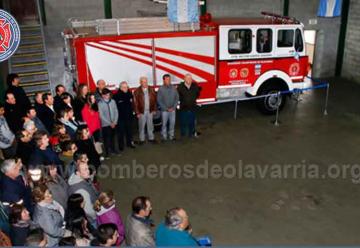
[[91, 117]]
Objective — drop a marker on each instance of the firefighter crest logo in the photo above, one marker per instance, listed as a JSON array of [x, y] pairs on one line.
[[9, 35]]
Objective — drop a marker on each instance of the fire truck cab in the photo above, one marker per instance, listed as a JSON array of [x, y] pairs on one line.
[[228, 58]]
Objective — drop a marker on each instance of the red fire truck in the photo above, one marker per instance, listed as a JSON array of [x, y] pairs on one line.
[[228, 58]]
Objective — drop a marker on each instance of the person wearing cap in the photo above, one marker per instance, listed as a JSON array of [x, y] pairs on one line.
[[109, 117]]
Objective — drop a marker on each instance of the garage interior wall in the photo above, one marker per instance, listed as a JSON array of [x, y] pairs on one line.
[[351, 64], [58, 12]]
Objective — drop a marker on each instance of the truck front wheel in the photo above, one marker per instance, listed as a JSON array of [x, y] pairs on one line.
[[269, 104]]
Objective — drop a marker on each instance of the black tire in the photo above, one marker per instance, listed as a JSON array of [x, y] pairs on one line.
[[268, 105]]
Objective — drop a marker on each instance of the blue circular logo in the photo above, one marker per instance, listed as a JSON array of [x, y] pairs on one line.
[[9, 35]]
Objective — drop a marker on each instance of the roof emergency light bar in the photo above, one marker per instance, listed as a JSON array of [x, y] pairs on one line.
[[282, 19]]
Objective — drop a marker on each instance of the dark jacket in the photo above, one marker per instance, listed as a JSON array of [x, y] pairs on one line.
[[78, 105], [19, 233], [38, 124], [188, 97], [46, 157], [21, 98], [24, 151], [139, 103], [124, 102], [15, 190], [13, 116], [47, 116], [58, 103], [88, 147]]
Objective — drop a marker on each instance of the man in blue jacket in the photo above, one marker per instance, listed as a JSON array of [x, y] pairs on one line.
[[176, 230]]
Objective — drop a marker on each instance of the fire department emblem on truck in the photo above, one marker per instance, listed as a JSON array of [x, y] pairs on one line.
[[244, 72], [233, 73], [294, 69], [9, 35]]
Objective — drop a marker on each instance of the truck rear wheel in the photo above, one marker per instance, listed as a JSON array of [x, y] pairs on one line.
[[268, 105]]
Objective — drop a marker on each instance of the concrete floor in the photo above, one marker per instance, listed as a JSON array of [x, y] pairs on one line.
[[261, 211]]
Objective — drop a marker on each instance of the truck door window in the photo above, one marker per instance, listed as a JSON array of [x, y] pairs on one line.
[[299, 44], [285, 38], [240, 41], [264, 41]]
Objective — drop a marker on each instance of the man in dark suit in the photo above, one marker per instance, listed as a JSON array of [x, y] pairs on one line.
[[13, 113], [47, 114], [13, 81]]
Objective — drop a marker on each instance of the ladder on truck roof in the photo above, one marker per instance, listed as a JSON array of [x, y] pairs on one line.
[[128, 26]]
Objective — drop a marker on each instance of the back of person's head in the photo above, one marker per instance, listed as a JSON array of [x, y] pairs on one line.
[[65, 95], [15, 213], [68, 241], [79, 156], [76, 223], [11, 77], [57, 88], [139, 203], [39, 192], [105, 199], [106, 232], [106, 91], [8, 165], [75, 201], [45, 96], [172, 218], [36, 238], [67, 145]]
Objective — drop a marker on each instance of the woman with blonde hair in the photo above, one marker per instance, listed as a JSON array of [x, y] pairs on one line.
[[106, 212]]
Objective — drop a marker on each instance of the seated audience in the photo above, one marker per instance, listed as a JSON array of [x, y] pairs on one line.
[[58, 133], [49, 215], [106, 212], [20, 221], [13, 185], [138, 224], [79, 182], [86, 145], [176, 230], [7, 137]]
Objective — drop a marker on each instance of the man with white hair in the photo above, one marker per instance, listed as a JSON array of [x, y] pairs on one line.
[[145, 108], [13, 185], [176, 230]]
